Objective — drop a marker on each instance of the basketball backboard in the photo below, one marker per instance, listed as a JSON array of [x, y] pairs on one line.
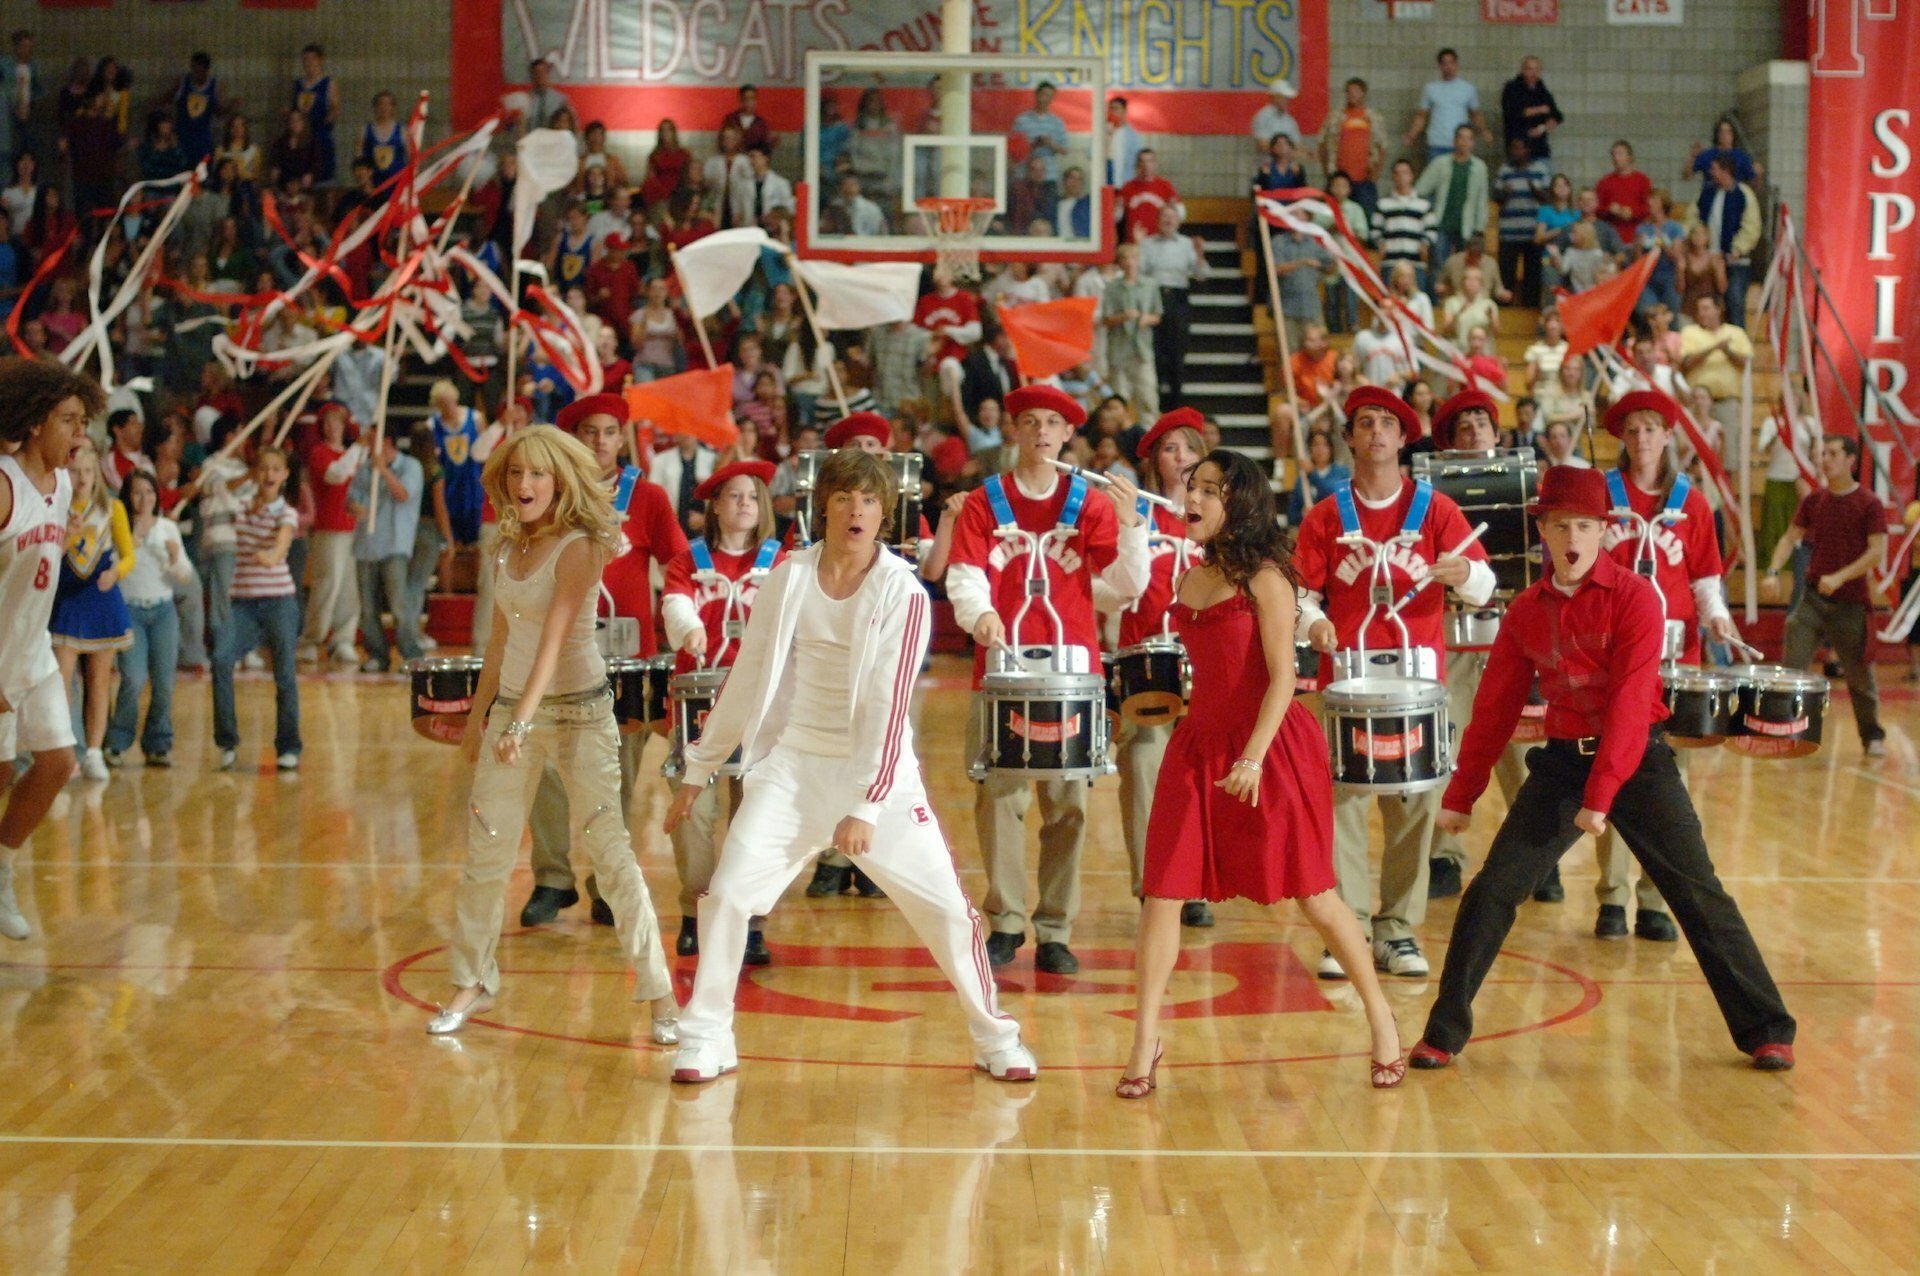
[[886, 130]]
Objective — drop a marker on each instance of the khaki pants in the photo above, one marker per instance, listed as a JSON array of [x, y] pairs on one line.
[[1616, 861], [1138, 751], [333, 593], [695, 848], [1000, 805], [552, 864], [1403, 864], [575, 736], [1135, 379], [1464, 669], [483, 587]]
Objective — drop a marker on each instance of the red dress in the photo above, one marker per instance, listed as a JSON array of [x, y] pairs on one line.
[[1203, 843]]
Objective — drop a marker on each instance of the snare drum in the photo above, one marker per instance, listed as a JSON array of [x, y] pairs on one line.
[[1388, 735], [1781, 711], [693, 695], [1042, 726], [441, 691], [1150, 683], [1702, 705], [1493, 489], [906, 507], [640, 692], [1386, 662], [1472, 629]]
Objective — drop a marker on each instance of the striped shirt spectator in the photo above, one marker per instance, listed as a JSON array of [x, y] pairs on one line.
[[1518, 189], [255, 529], [1403, 228]]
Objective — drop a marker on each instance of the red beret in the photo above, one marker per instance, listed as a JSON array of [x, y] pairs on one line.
[[1465, 401], [871, 425], [1574, 490], [613, 405], [1373, 396], [1640, 401], [762, 470], [1050, 398], [1178, 419]]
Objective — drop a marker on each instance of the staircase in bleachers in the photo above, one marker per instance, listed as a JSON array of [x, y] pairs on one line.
[[1223, 373]]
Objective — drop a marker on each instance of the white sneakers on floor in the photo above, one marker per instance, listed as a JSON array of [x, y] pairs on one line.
[[12, 924], [700, 1061], [288, 762], [1330, 967], [1400, 957], [93, 764], [1013, 1063]]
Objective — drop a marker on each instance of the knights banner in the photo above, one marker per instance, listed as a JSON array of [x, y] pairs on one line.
[[1863, 232]]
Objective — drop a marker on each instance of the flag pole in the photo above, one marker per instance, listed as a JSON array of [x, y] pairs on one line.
[[1280, 330], [699, 321], [813, 322]]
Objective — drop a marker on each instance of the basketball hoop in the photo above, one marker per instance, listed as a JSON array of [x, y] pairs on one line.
[[957, 225]]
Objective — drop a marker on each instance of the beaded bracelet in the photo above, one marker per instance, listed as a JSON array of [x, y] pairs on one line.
[[1244, 762]]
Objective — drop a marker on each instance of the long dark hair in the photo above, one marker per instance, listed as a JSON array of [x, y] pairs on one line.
[[1250, 536]]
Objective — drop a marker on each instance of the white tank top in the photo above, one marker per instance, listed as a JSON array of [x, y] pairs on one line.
[[822, 660], [31, 543], [526, 604]]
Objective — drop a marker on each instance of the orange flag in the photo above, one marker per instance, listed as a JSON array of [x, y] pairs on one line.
[[1599, 315], [697, 403], [1050, 336]]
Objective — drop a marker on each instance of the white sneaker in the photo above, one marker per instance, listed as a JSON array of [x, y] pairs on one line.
[[288, 762], [307, 654], [1330, 967], [1400, 957], [1015, 1063], [93, 765], [1875, 748], [345, 659], [427, 643], [253, 660], [700, 1061], [227, 758], [12, 924]]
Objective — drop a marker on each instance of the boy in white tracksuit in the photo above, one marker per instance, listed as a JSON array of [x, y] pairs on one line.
[[817, 703]]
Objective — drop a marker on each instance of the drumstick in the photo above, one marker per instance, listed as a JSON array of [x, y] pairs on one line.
[[1102, 480], [1427, 579], [1758, 655]]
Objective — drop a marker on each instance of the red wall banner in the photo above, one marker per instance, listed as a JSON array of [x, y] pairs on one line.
[[1863, 228]]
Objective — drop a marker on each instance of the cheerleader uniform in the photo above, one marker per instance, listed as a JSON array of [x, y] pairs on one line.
[[462, 470], [688, 604], [86, 617], [315, 101], [1203, 843]]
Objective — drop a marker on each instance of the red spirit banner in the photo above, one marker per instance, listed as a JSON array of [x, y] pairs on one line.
[[1862, 230]]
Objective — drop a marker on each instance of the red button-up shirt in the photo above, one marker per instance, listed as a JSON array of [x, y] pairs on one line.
[[1596, 653]]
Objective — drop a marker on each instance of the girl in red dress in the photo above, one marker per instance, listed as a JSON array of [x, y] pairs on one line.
[[1244, 803]]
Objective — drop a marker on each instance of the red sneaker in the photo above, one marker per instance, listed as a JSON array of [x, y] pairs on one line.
[[1774, 1057], [1426, 1057]]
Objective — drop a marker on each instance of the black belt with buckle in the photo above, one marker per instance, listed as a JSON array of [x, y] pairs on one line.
[[1587, 745]]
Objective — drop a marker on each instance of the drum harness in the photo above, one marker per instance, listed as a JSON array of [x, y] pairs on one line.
[[733, 623]]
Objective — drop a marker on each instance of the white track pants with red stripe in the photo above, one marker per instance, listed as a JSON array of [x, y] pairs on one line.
[[792, 802]]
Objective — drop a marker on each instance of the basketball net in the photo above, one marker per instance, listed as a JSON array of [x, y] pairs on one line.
[[956, 224]]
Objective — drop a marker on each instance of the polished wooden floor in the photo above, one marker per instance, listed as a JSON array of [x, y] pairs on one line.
[[212, 1058]]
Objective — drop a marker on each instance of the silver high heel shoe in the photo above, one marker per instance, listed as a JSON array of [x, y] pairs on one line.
[[452, 1021], [665, 1032]]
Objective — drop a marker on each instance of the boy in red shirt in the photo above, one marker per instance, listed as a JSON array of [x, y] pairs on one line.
[[987, 583], [333, 598], [1142, 199], [1591, 633]]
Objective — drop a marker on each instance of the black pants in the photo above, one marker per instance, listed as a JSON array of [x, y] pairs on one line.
[[1656, 819], [1844, 626], [1170, 345], [1520, 259]]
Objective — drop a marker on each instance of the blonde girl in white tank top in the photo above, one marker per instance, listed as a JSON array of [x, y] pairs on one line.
[[546, 686]]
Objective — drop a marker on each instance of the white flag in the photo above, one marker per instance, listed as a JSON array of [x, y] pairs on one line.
[[549, 158], [713, 268], [863, 296]]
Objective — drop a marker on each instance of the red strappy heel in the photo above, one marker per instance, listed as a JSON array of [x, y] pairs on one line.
[[1141, 1087], [1388, 1075]]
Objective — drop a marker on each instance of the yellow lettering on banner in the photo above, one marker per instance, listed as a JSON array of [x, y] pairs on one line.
[[1265, 17], [1030, 23], [1237, 44], [716, 12], [1089, 40], [1149, 44], [1184, 44]]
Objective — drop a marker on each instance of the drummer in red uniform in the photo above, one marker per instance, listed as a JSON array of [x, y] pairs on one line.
[[1686, 568], [835, 874], [1384, 506], [987, 583], [1591, 633], [740, 550], [1170, 449], [651, 535], [1468, 424]]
